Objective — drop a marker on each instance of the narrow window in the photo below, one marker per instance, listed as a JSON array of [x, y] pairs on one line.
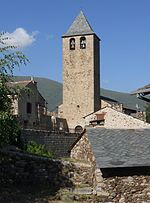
[[82, 43], [72, 44], [29, 107]]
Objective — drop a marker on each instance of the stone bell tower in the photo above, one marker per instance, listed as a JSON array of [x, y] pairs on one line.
[[81, 72]]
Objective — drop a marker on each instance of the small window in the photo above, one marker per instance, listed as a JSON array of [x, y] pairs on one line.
[[29, 107], [82, 43], [72, 44]]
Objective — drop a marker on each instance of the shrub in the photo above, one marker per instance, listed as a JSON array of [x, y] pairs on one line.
[[39, 149]]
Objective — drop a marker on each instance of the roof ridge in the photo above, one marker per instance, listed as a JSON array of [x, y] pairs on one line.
[[21, 81], [79, 26]]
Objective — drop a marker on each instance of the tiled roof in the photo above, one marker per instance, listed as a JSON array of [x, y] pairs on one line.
[[80, 26], [120, 147]]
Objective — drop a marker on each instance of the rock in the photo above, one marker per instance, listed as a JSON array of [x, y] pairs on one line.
[[133, 190], [113, 194], [83, 191], [122, 199], [76, 198], [129, 179], [67, 198], [102, 193]]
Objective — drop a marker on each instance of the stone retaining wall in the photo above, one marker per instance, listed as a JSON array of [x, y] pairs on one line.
[[58, 143], [76, 146], [22, 168]]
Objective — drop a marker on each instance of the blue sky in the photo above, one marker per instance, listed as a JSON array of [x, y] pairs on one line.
[[122, 25]]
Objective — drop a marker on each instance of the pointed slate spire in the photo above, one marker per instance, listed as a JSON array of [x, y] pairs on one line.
[[80, 26]]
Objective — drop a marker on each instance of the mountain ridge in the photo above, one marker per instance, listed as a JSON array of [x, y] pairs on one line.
[[51, 90]]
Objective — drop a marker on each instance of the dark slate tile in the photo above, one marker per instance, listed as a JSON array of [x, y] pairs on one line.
[[120, 147]]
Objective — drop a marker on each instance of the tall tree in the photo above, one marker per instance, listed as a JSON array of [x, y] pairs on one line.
[[9, 59]]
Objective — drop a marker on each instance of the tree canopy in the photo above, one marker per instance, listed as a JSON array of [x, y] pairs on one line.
[[10, 58]]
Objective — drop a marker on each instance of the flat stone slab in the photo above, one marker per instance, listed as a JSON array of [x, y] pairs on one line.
[[83, 191]]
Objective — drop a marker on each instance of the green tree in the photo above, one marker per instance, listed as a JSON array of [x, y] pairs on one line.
[[9, 59], [147, 113]]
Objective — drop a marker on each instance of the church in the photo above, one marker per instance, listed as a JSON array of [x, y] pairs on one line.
[[81, 72]]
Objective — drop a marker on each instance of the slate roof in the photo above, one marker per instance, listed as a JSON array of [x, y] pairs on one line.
[[144, 90], [115, 148], [129, 101], [80, 26]]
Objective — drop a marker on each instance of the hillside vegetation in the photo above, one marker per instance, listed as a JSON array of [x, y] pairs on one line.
[[52, 92]]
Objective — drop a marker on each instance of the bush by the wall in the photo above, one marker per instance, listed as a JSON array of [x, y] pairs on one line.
[[39, 149]]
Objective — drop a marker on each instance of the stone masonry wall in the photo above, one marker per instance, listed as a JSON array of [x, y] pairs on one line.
[[21, 168], [24, 169], [116, 119], [57, 143], [83, 151], [80, 80]]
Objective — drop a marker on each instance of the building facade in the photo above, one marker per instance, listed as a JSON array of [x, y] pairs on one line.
[[30, 107]]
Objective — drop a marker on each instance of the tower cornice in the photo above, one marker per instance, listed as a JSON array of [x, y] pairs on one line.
[[64, 36]]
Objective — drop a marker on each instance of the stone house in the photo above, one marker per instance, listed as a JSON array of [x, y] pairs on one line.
[[30, 107], [109, 117], [114, 143], [114, 151], [123, 102]]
